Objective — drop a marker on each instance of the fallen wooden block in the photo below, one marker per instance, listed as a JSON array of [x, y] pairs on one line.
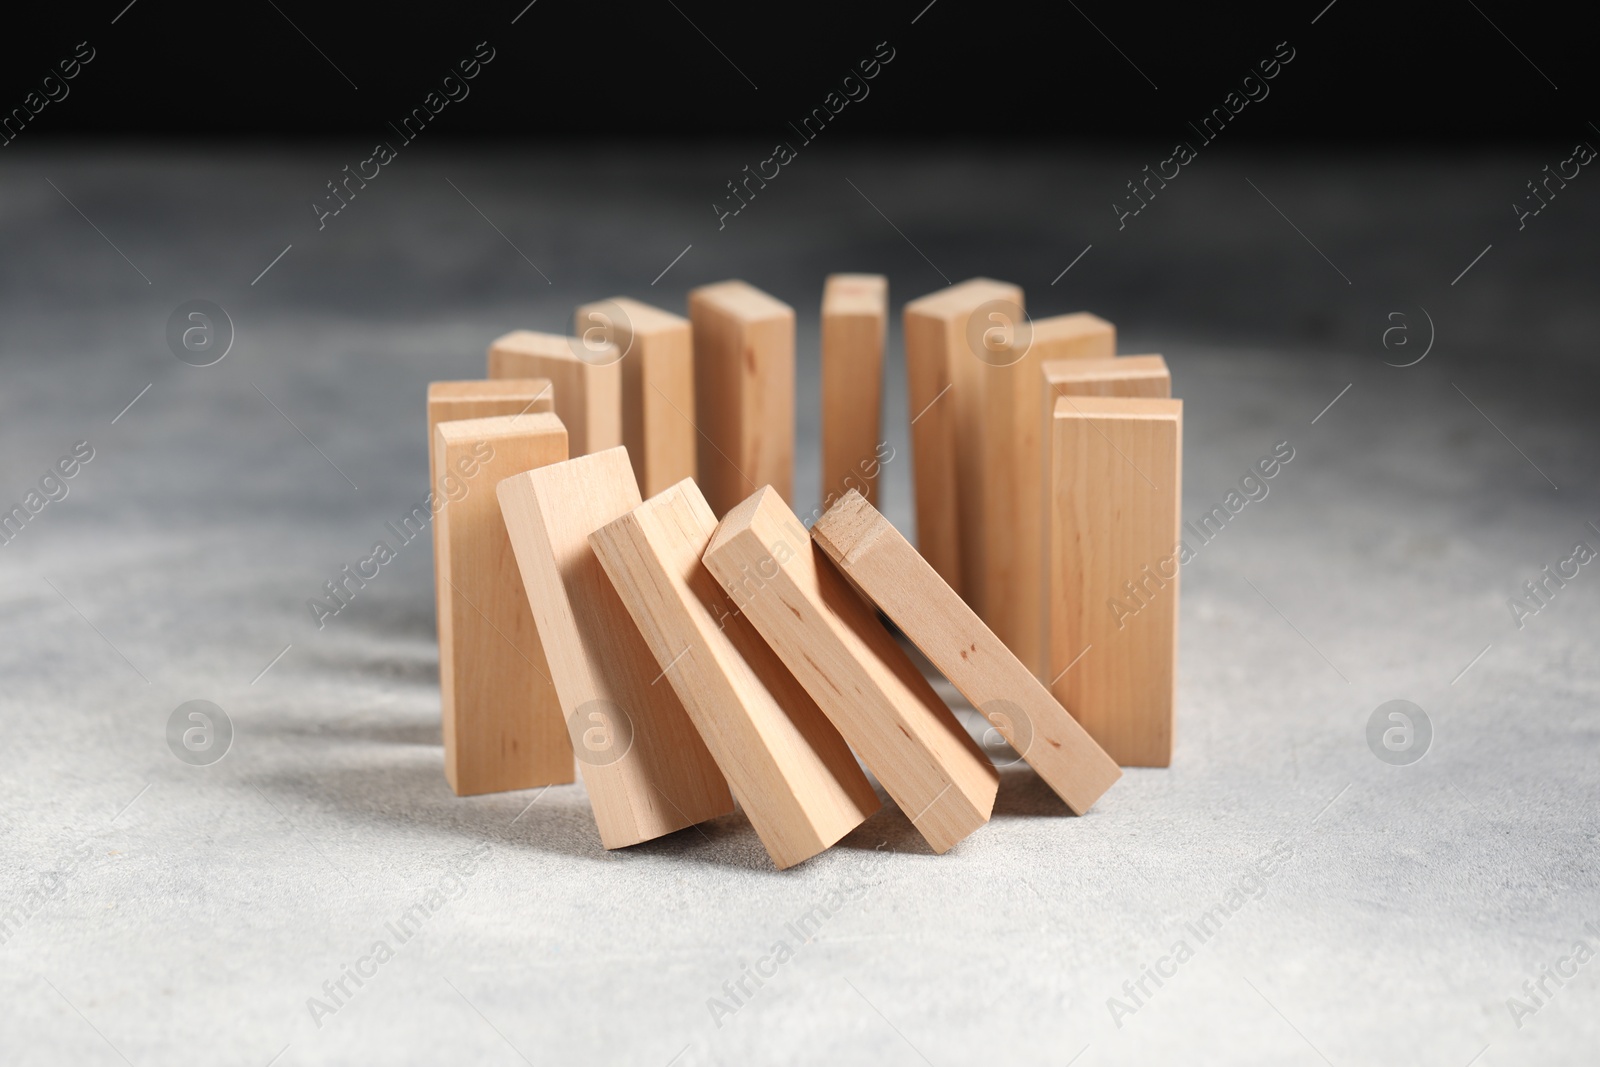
[[743, 392], [587, 382], [869, 689], [645, 767], [657, 358], [884, 566], [1116, 468], [789, 768], [855, 315], [503, 727]]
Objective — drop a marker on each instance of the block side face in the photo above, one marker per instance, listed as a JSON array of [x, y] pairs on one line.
[[933, 444], [853, 332], [667, 407]]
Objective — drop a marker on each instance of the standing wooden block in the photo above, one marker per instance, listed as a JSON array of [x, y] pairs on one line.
[[587, 381], [658, 415], [743, 392], [884, 566], [869, 689], [943, 380], [789, 769], [647, 771], [1116, 468], [855, 316], [502, 722]]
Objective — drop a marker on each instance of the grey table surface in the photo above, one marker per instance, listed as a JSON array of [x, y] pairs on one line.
[[155, 912]]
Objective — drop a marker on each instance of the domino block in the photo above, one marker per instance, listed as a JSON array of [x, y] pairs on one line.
[[943, 378], [502, 722], [888, 571], [790, 770], [587, 381], [645, 767], [868, 688], [743, 392], [658, 414], [1116, 469], [855, 316]]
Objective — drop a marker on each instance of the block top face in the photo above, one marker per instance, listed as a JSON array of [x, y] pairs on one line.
[[642, 318], [553, 346], [491, 389], [1069, 327], [765, 513], [849, 527], [963, 297], [499, 427], [855, 294], [1098, 370], [741, 300], [1117, 407]]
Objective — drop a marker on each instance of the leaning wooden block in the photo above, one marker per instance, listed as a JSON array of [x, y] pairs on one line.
[[503, 727], [647, 771], [869, 689], [743, 391], [658, 416], [855, 315], [789, 769], [586, 377], [1116, 468], [884, 566]]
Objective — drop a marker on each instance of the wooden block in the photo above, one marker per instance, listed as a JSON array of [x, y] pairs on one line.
[[1006, 503], [884, 566], [658, 416], [647, 771], [502, 722], [743, 392], [1116, 468], [869, 689], [789, 768], [855, 316], [587, 382], [943, 380]]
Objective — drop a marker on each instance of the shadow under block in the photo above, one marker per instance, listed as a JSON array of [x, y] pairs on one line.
[[1116, 469], [646, 770], [502, 721], [743, 392], [588, 390], [942, 382], [872, 554], [865, 684], [855, 316], [1006, 502], [658, 416], [790, 770]]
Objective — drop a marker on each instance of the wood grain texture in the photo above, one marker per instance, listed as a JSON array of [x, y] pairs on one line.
[[1116, 471], [644, 765], [588, 390], [658, 414], [855, 318], [869, 689], [871, 553], [502, 722], [789, 768], [743, 392]]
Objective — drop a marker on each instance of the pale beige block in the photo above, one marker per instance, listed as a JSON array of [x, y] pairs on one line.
[[587, 382], [855, 317]]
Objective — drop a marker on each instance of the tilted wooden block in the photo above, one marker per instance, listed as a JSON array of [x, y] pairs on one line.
[[647, 771], [503, 727], [943, 378], [743, 392], [587, 381], [789, 768], [869, 689], [658, 415], [855, 316], [884, 566], [1116, 469]]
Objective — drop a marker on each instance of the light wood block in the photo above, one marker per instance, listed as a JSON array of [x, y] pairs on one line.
[[588, 390], [872, 554], [647, 771], [743, 392], [503, 727], [855, 317], [943, 378], [869, 689], [790, 770], [658, 414], [1116, 469]]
